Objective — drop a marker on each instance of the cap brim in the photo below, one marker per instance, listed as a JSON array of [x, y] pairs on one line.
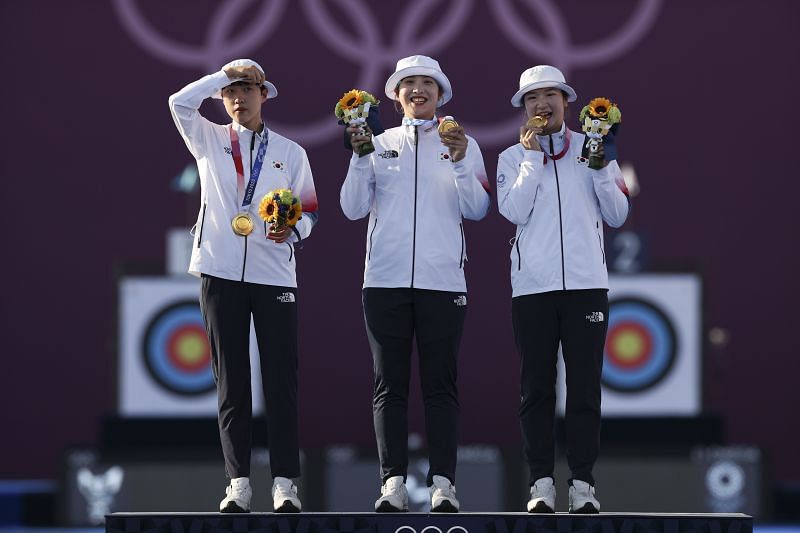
[[516, 100], [441, 79], [272, 91]]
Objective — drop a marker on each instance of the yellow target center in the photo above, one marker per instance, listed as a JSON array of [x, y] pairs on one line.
[[192, 347], [628, 346]]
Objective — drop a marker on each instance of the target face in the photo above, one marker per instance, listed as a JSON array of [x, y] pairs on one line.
[[640, 346], [176, 350]]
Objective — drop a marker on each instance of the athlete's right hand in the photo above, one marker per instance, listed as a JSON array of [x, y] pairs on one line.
[[527, 138], [249, 73], [357, 137]]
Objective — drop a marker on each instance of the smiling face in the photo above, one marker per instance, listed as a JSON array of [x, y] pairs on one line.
[[243, 103], [418, 95], [549, 102]]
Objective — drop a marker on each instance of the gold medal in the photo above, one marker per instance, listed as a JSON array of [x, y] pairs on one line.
[[537, 121], [447, 124], [242, 224]]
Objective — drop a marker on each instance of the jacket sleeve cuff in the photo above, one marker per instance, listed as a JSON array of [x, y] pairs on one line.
[[361, 163], [221, 80], [533, 159]]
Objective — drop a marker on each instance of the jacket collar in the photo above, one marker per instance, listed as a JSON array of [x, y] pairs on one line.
[[241, 130], [425, 128]]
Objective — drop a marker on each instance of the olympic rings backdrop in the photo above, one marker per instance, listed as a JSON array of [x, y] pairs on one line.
[[652, 360], [165, 360]]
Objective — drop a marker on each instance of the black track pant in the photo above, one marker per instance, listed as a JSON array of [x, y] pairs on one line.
[[578, 320], [393, 318], [227, 307]]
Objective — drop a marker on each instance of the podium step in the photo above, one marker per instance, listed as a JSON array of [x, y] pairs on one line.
[[427, 523]]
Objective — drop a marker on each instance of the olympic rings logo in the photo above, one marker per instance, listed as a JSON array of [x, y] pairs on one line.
[[412, 32], [434, 529]]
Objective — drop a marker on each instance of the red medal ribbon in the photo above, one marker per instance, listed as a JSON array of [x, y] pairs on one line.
[[560, 154]]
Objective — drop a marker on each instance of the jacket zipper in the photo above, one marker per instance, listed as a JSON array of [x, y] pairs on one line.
[[374, 225], [600, 242], [244, 261], [560, 220], [414, 235], [252, 145], [202, 223], [291, 251], [519, 255], [461, 260]]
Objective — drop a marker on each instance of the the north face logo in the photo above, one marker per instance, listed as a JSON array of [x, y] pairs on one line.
[[389, 154], [461, 301], [286, 298], [596, 316]]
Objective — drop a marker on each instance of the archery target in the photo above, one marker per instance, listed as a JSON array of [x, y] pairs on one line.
[[164, 356], [640, 345], [176, 351], [652, 358]]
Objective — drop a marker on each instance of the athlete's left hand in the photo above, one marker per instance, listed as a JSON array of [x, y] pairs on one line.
[[456, 142], [280, 236]]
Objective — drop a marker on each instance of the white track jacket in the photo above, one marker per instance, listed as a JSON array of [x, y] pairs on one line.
[[559, 207], [217, 250], [416, 199]]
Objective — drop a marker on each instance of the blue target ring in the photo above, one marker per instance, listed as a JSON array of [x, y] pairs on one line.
[[176, 351], [641, 346]]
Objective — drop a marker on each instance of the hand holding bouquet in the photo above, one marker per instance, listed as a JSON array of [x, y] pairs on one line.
[[597, 119], [281, 209], [359, 108]]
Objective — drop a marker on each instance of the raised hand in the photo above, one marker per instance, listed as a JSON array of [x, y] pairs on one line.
[[250, 74], [456, 141]]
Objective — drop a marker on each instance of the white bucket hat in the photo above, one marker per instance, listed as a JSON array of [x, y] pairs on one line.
[[539, 77], [272, 91], [419, 66]]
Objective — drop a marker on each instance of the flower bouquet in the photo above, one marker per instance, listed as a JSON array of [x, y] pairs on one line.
[[597, 118], [280, 208], [361, 108]]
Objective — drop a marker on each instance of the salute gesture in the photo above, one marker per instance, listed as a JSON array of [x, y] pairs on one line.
[[245, 73]]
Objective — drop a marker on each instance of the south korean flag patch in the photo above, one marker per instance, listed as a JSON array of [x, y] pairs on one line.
[[583, 161], [444, 156], [279, 165]]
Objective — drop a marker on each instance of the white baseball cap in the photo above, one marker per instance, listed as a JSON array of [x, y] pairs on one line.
[[272, 91], [419, 66], [539, 77]]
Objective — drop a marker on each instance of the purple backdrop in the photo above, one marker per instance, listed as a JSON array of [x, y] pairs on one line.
[[89, 151]]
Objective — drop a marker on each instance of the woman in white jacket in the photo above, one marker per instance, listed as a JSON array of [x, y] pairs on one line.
[[559, 281], [247, 270], [416, 187]]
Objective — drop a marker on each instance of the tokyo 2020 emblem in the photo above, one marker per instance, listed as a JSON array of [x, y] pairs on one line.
[[641, 346], [176, 350]]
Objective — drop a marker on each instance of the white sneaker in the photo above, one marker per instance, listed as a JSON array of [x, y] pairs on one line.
[[543, 496], [238, 496], [443, 496], [581, 498], [394, 496], [284, 496]]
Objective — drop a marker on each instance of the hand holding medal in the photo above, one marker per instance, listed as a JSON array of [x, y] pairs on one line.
[[452, 135], [528, 132]]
